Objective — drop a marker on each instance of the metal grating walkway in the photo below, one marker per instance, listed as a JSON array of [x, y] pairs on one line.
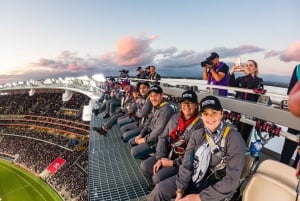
[[113, 173]]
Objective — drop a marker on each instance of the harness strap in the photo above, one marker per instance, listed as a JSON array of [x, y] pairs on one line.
[[215, 148], [181, 140], [190, 126]]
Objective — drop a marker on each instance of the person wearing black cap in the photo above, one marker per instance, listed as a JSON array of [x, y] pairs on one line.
[[216, 72], [144, 108], [166, 161], [141, 73], [144, 144], [212, 163], [124, 73], [123, 110]]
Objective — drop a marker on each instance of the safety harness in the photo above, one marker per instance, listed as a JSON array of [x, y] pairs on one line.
[[219, 151], [178, 146]]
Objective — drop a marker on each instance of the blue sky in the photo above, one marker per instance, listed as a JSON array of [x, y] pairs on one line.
[[41, 39]]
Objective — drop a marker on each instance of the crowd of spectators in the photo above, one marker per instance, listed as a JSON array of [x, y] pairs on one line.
[[35, 130], [48, 104]]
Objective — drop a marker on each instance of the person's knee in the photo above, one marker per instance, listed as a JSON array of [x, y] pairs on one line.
[[131, 142], [128, 136], [146, 169], [134, 151], [156, 179], [160, 192]]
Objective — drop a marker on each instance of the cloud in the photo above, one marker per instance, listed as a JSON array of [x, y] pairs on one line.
[[130, 52], [292, 53], [272, 53], [189, 58]]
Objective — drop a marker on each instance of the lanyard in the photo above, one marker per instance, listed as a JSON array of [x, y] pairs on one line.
[[215, 148]]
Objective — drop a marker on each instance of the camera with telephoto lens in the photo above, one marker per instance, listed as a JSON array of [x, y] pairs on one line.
[[206, 62]]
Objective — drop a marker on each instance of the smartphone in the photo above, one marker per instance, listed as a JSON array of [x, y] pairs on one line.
[[237, 61]]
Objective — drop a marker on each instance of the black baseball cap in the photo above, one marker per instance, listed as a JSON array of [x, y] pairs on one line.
[[139, 68], [210, 102], [189, 96], [142, 82], [135, 89], [156, 89], [212, 56]]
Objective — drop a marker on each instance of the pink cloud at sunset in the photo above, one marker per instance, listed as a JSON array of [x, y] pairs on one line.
[[131, 51], [292, 53]]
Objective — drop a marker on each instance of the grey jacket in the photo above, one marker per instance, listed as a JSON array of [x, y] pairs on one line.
[[235, 149], [144, 108], [162, 150], [157, 122]]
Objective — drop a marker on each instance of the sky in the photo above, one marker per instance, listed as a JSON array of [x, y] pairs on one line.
[[61, 38]]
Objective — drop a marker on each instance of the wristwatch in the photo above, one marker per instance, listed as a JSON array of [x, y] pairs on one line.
[[179, 191]]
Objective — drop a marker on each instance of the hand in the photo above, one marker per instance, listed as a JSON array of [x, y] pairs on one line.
[[191, 197], [130, 115], [141, 141], [157, 166], [208, 66], [166, 162], [235, 68], [137, 138], [178, 196]]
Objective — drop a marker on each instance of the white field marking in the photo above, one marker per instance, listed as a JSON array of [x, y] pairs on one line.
[[6, 194], [28, 184]]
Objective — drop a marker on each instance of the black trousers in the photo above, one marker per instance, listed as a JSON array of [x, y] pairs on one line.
[[245, 130], [289, 149]]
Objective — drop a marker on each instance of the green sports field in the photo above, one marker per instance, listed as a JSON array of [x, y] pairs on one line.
[[17, 184]]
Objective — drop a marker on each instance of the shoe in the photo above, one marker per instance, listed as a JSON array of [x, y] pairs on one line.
[[106, 116], [96, 112], [100, 131], [150, 187]]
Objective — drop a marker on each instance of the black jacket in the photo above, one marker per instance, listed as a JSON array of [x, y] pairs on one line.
[[247, 82]]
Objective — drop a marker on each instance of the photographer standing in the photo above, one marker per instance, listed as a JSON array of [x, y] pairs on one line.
[[215, 72], [124, 74]]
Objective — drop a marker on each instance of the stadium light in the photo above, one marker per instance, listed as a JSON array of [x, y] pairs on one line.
[[85, 77], [48, 81], [99, 77]]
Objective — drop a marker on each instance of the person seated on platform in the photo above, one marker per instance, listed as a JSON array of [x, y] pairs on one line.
[[294, 97], [115, 99], [249, 80], [215, 72], [144, 144], [172, 143], [144, 108], [108, 86], [128, 100], [290, 146], [212, 163], [131, 109]]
